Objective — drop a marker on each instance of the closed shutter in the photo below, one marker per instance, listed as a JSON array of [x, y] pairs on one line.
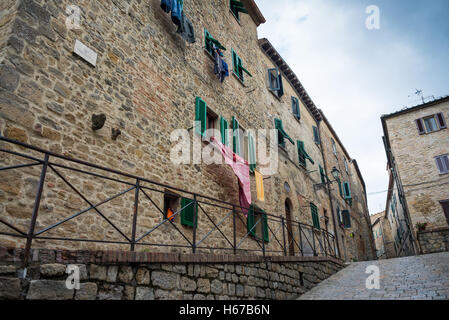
[[201, 116], [441, 121], [254, 215], [295, 108], [420, 125], [346, 219], [236, 136], [250, 221], [281, 86], [316, 135], [322, 174], [223, 130], [188, 211], [252, 153], [347, 189], [266, 236], [443, 163], [340, 187]]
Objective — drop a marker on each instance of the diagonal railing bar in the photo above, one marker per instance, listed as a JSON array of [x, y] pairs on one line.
[[83, 211], [320, 243], [249, 232], [12, 227], [20, 154], [269, 229], [305, 236], [90, 173], [292, 238], [243, 222], [216, 227], [90, 203], [21, 166], [164, 221]]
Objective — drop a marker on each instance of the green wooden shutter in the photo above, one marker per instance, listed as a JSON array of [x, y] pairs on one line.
[[281, 86], [347, 189], [281, 133], [316, 135], [340, 187], [295, 108], [223, 130], [252, 153], [266, 236], [201, 115], [315, 216], [346, 219], [187, 212], [252, 220], [301, 156], [322, 174], [236, 136]]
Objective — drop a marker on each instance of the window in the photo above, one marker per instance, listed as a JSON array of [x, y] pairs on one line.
[[237, 7], [257, 223], [346, 219], [252, 159], [445, 205], [282, 135], [188, 211], [443, 163], [340, 218], [224, 131], [237, 67], [302, 154], [295, 108], [346, 165], [315, 216], [431, 124], [236, 136], [171, 206], [340, 188], [334, 147], [209, 41], [322, 174], [206, 119], [347, 191], [275, 82], [316, 135]]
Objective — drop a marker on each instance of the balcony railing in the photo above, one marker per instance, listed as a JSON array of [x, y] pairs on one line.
[[73, 202]]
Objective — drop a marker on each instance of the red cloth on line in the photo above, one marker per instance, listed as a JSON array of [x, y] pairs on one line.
[[241, 169]]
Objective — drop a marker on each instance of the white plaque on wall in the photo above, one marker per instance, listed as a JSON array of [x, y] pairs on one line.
[[85, 52]]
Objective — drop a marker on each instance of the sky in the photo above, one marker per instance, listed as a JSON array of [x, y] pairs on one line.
[[355, 74]]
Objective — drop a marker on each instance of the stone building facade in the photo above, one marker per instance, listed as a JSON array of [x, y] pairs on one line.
[[379, 240], [417, 143], [148, 81]]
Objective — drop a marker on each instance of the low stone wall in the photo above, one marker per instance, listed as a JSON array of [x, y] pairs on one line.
[[152, 276], [436, 240]]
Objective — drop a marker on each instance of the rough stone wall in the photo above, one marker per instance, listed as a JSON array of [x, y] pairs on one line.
[[145, 81], [436, 240], [120, 276], [415, 156], [390, 251], [8, 11]]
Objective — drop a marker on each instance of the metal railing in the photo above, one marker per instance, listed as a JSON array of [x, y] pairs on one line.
[[211, 216]]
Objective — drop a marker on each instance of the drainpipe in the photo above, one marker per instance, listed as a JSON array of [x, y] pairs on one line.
[[328, 191]]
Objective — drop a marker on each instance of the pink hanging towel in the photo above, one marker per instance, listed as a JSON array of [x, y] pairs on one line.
[[241, 170]]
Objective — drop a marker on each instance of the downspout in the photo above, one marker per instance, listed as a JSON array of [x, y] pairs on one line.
[[328, 191]]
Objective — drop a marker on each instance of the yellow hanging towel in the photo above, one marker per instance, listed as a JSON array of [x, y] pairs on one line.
[[259, 185]]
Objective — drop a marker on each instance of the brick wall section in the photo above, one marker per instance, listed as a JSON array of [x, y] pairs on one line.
[[432, 241], [107, 275]]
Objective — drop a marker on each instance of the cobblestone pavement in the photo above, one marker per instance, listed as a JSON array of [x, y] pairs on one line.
[[423, 277]]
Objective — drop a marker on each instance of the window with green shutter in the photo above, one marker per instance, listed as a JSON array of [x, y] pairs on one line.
[[201, 116], [315, 216], [346, 219], [256, 221], [237, 67], [340, 188], [237, 7], [224, 126], [295, 108], [322, 174], [302, 154], [209, 41], [347, 190], [187, 212], [236, 136], [282, 135], [252, 153]]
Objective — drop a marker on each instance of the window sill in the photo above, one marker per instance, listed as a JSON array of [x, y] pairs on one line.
[[240, 80], [275, 95], [235, 17]]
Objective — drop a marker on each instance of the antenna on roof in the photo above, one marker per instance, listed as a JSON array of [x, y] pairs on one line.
[[419, 93]]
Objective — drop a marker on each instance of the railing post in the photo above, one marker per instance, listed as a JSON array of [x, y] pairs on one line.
[[37, 202], [234, 229], [300, 240], [195, 221], [335, 247], [283, 236], [324, 243], [313, 241], [136, 209], [263, 234]]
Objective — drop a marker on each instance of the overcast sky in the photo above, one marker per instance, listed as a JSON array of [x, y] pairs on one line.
[[355, 74]]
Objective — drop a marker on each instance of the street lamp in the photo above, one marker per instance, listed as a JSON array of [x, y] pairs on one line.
[[335, 173]]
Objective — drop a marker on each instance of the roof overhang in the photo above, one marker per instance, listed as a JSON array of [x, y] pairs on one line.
[[254, 12], [283, 67]]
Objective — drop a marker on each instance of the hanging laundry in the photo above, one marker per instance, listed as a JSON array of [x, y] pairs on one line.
[[185, 29], [176, 12], [166, 5], [241, 169], [220, 66], [259, 186]]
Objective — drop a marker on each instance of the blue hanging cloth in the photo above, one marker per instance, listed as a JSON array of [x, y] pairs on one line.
[[176, 12], [167, 5]]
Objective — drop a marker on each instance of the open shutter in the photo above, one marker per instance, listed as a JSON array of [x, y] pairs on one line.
[[295, 108], [281, 133], [235, 136], [250, 221], [315, 216], [236, 7], [340, 187], [322, 174], [201, 115], [273, 79], [224, 131], [252, 153], [281, 86], [420, 125], [347, 189], [301, 155], [187, 212], [441, 121]]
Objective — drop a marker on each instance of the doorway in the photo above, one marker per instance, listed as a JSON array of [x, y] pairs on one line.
[[288, 217]]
